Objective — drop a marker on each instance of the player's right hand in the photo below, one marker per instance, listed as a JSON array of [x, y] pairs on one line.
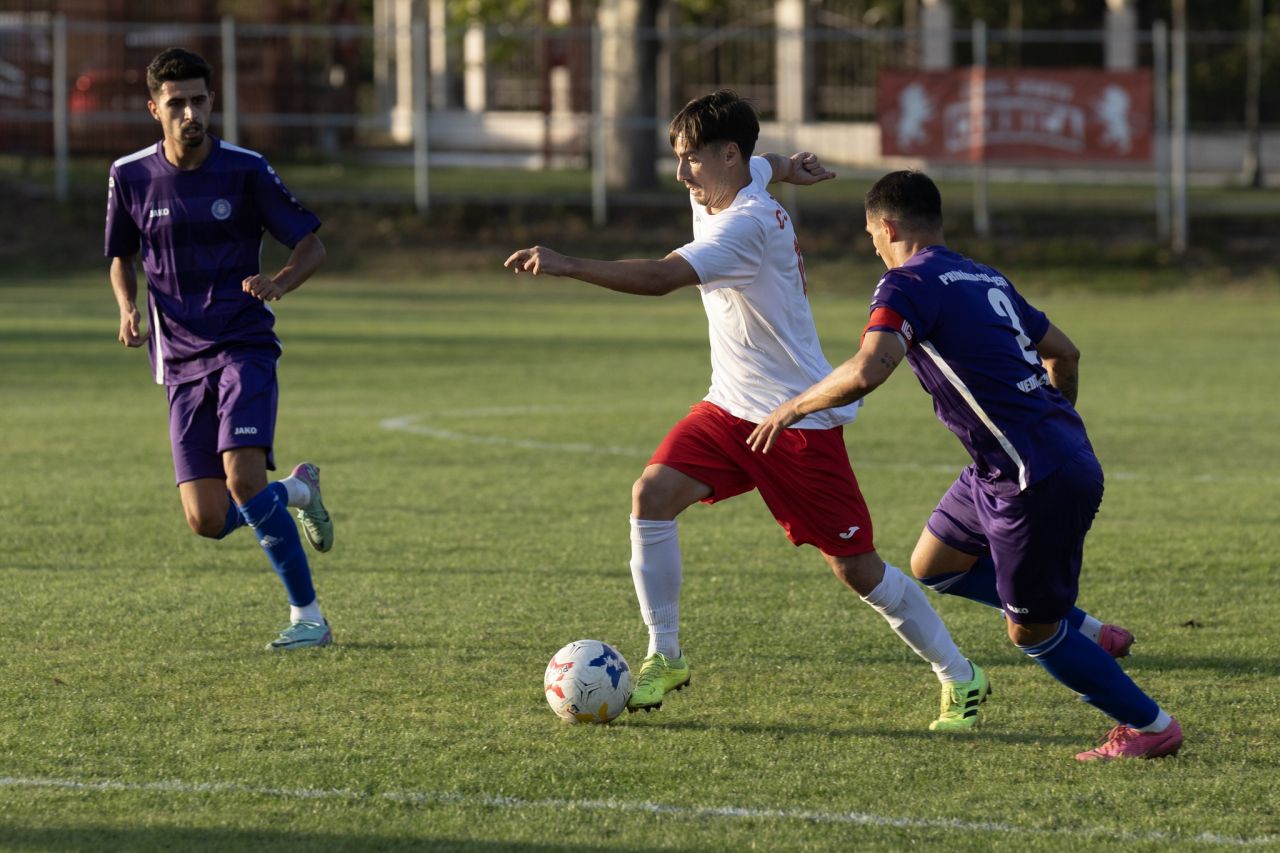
[[131, 335], [536, 260]]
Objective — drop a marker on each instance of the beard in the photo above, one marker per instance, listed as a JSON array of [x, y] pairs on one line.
[[191, 136]]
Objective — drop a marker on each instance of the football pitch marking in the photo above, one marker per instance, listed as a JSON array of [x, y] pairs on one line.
[[438, 798], [418, 425]]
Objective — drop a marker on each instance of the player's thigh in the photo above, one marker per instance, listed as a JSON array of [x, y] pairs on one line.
[[205, 503], [662, 493], [700, 449], [932, 557], [1037, 541], [247, 401], [193, 429], [953, 538], [808, 484]]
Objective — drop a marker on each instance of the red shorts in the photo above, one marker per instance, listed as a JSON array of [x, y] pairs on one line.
[[805, 478]]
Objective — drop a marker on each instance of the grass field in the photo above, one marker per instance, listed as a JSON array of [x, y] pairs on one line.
[[478, 438]]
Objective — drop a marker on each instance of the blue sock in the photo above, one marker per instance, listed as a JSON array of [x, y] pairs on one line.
[[234, 519], [1083, 666], [268, 514], [979, 584]]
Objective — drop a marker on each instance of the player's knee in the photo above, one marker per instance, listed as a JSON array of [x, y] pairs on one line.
[[242, 490], [1031, 634], [206, 525], [650, 500], [920, 567], [861, 572]]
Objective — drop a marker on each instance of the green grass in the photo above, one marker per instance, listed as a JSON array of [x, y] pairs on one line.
[[131, 661], [354, 178]]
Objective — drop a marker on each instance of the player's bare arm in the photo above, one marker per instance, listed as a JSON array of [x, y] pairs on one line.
[[802, 168], [304, 260], [640, 277], [1061, 359], [124, 283], [867, 370]]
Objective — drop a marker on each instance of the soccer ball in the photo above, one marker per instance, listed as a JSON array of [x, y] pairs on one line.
[[587, 682]]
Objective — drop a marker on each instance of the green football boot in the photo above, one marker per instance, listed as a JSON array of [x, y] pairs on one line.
[[302, 635], [316, 523], [960, 701], [659, 675]]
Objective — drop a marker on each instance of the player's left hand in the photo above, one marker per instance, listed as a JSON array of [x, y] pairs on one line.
[[766, 433], [807, 169], [263, 288]]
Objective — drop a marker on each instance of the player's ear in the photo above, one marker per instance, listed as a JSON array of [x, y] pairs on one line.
[[153, 109], [730, 153]]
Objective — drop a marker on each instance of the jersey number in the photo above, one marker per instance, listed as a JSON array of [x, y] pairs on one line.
[[1001, 304]]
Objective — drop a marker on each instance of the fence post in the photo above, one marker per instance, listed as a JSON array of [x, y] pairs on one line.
[[1160, 63], [421, 189], [1178, 145], [599, 199], [978, 115], [61, 144], [230, 96]]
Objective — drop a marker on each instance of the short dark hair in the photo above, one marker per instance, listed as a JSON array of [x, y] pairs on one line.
[[176, 64], [721, 116], [908, 196]]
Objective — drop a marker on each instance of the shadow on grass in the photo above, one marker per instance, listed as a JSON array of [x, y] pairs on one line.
[[223, 839], [894, 732]]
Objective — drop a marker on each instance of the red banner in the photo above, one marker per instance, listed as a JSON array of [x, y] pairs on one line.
[[1074, 114]]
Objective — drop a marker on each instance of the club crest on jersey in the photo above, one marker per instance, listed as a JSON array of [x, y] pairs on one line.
[[221, 209]]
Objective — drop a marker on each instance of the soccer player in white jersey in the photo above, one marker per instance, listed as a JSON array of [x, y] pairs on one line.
[[746, 262]]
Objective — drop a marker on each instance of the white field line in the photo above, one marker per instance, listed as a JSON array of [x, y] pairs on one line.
[[730, 813], [415, 424]]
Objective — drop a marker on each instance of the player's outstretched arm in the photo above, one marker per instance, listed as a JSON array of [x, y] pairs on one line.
[[304, 260], [871, 365], [802, 168], [639, 277], [124, 283], [1062, 361]]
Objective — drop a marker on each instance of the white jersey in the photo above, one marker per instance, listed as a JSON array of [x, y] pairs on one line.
[[764, 346]]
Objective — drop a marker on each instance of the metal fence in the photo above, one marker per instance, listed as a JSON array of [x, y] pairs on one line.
[[526, 97]]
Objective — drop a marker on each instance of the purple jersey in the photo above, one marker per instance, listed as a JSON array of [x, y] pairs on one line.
[[200, 233], [972, 344]]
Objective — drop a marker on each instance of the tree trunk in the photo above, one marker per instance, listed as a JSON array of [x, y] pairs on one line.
[[629, 51]]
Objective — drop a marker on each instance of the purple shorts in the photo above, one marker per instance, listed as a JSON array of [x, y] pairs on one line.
[[1035, 538], [235, 406]]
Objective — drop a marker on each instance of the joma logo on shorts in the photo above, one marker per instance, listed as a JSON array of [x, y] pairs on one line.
[[1012, 609], [246, 431], [158, 211]]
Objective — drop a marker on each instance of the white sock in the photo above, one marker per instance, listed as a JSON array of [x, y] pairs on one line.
[[1091, 628], [904, 606], [299, 492], [1160, 723], [656, 572], [310, 613]]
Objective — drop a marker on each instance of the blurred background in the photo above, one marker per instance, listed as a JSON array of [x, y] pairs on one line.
[[1147, 124]]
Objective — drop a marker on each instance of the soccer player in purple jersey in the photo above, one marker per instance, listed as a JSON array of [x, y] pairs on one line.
[[197, 207], [1010, 531]]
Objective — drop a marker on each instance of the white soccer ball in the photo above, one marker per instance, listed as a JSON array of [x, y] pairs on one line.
[[587, 682]]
